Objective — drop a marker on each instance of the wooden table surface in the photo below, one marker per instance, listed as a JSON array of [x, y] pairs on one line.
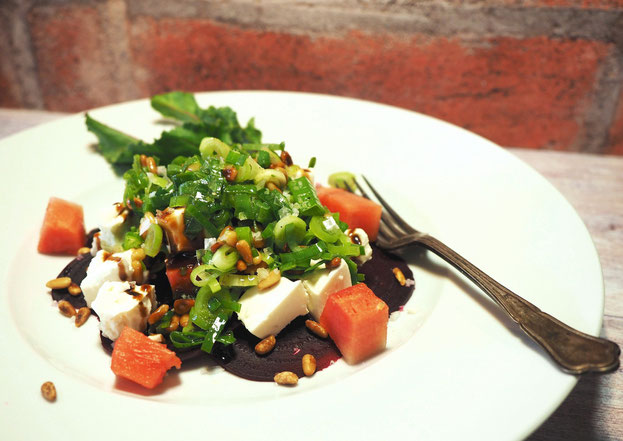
[[594, 186]]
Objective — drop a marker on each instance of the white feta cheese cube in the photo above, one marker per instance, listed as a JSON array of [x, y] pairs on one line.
[[360, 237], [113, 226], [323, 283], [121, 304], [106, 267], [269, 311]]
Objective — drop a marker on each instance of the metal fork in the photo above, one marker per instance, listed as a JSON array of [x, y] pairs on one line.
[[575, 351]]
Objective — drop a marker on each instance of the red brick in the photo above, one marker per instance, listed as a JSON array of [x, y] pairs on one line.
[[73, 67], [528, 93], [615, 141]]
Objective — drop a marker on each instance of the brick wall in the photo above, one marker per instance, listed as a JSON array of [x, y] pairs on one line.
[[530, 73]]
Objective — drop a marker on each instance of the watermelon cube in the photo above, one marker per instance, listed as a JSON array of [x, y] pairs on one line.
[[356, 211], [62, 231], [140, 359], [356, 320]]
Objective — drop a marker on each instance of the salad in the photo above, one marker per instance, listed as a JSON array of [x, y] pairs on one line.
[[221, 243]]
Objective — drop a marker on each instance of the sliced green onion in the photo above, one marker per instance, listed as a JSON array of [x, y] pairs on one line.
[[210, 146], [325, 228], [132, 240], [312, 162], [153, 240], [179, 201], [225, 258], [343, 180], [238, 280], [297, 230]]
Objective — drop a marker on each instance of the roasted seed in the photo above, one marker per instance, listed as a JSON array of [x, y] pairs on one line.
[[230, 173], [48, 390], [138, 254], [286, 378], [240, 265], [158, 314], [151, 165], [137, 271], [184, 319], [286, 158], [258, 241], [229, 236], [244, 249], [272, 186], [143, 160], [266, 345], [74, 290], [66, 308], [182, 306], [257, 259], [84, 250], [175, 323], [82, 316], [399, 276], [316, 328], [216, 246], [138, 202], [309, 365], [60, 283], [277, 165], [273, 278], [158, 338], [335, 262]]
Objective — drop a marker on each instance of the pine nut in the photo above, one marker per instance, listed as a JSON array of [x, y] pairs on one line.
[[399, 276], [286, 158], [258, 242], [316, 328], [244, 249], [240, 265], [335, 262], [182, 306], [175, 323], [286, 378], [66, 308], [229, 236], [216, 246], [138, 254], [59, 283], [271, 186], [158, 338], [158, 314], [257, 259], [266, 345], [82, 316], [74, 290], [48, 390], [309, 365], [184, 319], [137, 271], [84, 250], [273, 278], [143, 160], [230, 173], [151, 165]]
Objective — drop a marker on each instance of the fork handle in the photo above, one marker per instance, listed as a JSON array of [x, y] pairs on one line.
[[575, 351]]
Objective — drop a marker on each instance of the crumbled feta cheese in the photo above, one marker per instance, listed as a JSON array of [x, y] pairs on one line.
[[208, 242], [106, 267], [360, 237], [121, 304], [269, 311], [323, 283], [112, 229]]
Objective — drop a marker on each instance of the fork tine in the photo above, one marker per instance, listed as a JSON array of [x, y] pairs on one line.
[[396, 217], [392, 231]]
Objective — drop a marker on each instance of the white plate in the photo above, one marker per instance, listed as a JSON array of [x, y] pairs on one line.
[[467, 373]]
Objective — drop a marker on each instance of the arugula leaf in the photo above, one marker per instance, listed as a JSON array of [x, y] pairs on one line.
[[114, 145], [177, 105], [222, 123]]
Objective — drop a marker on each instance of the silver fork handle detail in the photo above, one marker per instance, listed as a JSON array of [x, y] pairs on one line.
[[575, 351]]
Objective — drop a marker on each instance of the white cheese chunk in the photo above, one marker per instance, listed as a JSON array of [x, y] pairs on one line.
[[106, 267], [269, 311], [113, 226], [323, 283], [121, 304], [360, 237]]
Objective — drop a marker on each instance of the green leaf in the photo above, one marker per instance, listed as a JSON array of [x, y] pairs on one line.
[[115, 146], [177, 105]]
